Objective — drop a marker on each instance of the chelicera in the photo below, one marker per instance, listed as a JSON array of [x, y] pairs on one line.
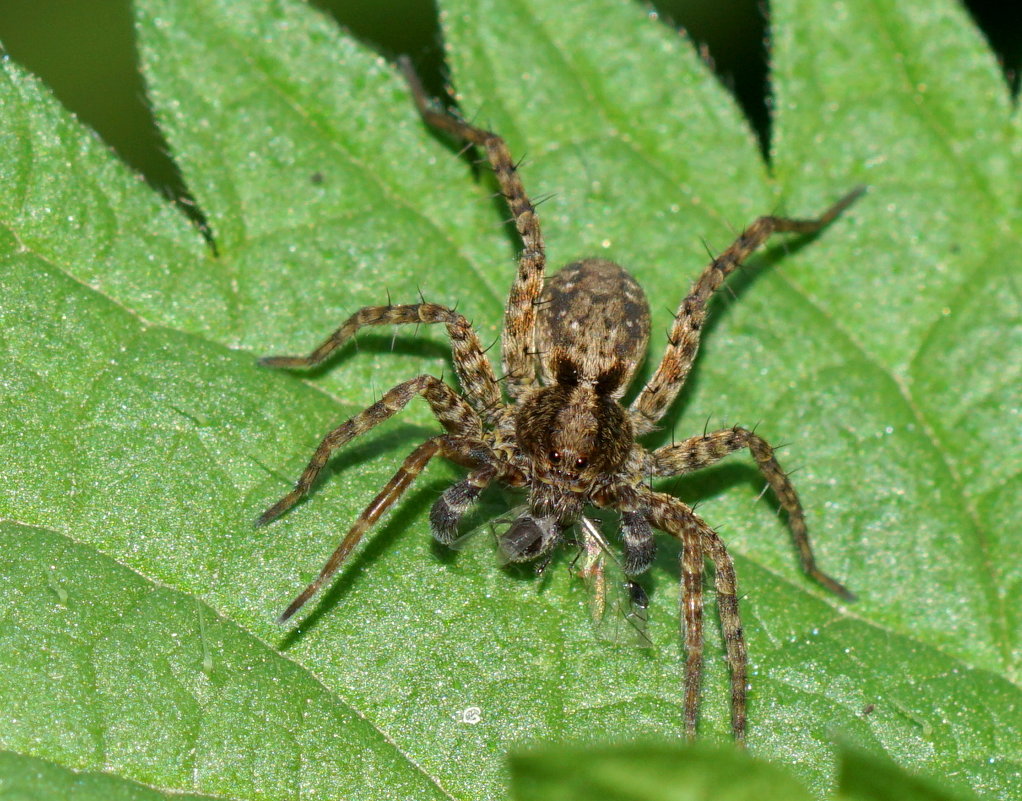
[[571, 346]]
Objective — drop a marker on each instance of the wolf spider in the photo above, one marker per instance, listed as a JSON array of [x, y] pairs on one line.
[[570, 350]]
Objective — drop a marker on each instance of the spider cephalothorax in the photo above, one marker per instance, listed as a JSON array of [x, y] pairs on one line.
[[573, 433], [570, 350]]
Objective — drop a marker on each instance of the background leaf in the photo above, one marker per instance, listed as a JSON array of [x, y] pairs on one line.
[[866, 777], [25, 777], [140, 440], [652, 771], [649, 772]]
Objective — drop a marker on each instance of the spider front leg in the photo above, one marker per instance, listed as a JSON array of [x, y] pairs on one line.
[[683, 340], [453, 448], [456, 500], [697, 541], [726, 584], [696, 453], [453, 413], [674, 517], [518, 339], [474, 371]]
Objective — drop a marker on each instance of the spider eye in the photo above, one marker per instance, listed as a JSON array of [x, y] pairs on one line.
[[555, 457], [581, 462]]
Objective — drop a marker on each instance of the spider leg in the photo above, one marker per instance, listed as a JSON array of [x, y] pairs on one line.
[[698, 452], [638, 542], [453, 413], [637, 538], [455, 501], [683, 340], [394, 489], [674, 517], [698, 539], [730, 623], [473, 368], [518, 339], [692, 621]]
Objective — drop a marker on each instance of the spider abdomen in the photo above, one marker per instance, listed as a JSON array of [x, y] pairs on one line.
[[592, 326]]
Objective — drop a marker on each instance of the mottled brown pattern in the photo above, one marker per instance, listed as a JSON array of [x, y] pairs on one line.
[[594, 326], [571, 350]]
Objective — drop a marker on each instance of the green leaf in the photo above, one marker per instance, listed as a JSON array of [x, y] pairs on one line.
[[866, 777], [104, 670], [649, 772], [139, 438], [652, 771], [23, 777]]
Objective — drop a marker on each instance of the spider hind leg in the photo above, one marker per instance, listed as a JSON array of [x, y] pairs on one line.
[[683, 340]]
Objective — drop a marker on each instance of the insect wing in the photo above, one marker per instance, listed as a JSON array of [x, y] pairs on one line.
[[619, 606], [590, 566]]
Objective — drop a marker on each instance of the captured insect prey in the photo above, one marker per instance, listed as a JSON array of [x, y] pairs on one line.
[[555, 426], [618, 604]]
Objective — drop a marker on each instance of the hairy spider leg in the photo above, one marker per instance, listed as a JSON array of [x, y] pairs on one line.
[[691, 560], [450, 447], [697, 452], [454, 503], [470, 362], [518, 339], [669, 514], [453, 413], [683, 340], [726, 585]]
